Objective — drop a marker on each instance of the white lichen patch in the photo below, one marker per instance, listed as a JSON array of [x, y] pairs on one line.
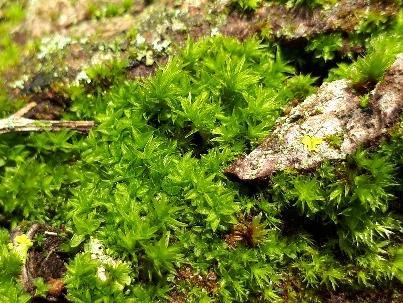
[[101, 274], [214, 31], [101, 57], [52, 44], [140, 40], [98, 252], [82, 77], [160, 46], [20, 82], [178, 25]]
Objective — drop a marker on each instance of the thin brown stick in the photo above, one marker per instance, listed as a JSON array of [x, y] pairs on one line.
[[21, 112], [17, 123]]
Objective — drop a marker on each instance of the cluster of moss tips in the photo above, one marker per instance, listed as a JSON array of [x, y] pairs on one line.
[[142, 198]]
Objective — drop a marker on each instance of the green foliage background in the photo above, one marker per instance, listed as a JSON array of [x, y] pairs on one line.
[[146, 187]]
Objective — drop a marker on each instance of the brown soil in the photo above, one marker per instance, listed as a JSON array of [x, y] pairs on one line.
[[44, 260], [50, 105], [186, 274], [138, 69], [376, 295]]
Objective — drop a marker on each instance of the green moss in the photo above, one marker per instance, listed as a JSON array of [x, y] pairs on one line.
[[41, 287], [150, 179], [13, 14], [108, 10], [369, 69], [334, 141], [247, 5], [251, 5], [325, 46], [10, 265], [364, 101], [10, 52], [372, 22], [144, 194], [309, 4], [7, 106]]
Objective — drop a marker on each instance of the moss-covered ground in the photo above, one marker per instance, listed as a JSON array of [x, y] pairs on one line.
[[140, 205]]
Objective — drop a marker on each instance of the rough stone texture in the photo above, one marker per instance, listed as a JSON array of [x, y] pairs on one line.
[[299, 23], [47, 17], [302, 140], [59, 16], [85, 39], [71, 38]]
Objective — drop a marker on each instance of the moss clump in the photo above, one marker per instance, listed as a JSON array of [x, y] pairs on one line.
[[152, 197], [10, 264], [107, 10], [308, 4], [334, 141], [143, 195], [326, 46], [12, 15], [247, 5], [381, 53]]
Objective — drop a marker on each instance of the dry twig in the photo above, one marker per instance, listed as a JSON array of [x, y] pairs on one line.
[[17, 123]]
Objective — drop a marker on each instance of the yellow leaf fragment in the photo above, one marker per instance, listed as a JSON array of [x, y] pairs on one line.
[[311, 142]]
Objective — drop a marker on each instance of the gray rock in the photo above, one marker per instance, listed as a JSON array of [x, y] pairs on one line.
[[328, 125]]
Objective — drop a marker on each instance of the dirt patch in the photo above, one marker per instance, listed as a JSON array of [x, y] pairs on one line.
[[207, 281], [378, 295], [138, 69], [50, 105], [186, 275], [51, 102], [242, 26], [44, 260], [249, 231]]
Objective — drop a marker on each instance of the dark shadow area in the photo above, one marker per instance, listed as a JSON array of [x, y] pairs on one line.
[[294, 223], [307, 63]]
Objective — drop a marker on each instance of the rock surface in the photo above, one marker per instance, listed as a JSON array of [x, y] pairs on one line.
[[72, 37], [328, 125], [345, 16]]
